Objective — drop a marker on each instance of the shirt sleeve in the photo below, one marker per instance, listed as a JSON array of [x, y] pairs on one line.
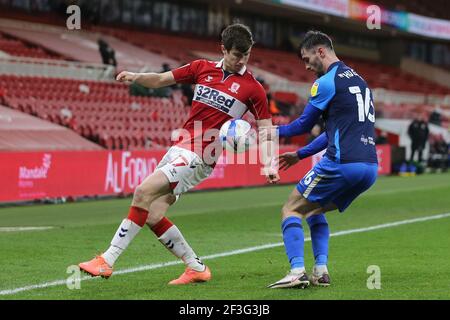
[[322, 91], [302, 124], [258, 104], [187, 73], [317, 145]]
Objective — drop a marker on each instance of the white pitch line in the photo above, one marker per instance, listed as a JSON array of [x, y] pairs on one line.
[[15, 229], [225, 254]]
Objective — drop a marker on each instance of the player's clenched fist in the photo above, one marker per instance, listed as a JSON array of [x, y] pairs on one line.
[[126, 76]]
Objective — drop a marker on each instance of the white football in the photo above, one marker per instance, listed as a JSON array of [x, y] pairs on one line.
[[237, 135]]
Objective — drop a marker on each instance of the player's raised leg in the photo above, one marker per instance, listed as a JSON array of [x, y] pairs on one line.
[[171, 237], [153, 187]]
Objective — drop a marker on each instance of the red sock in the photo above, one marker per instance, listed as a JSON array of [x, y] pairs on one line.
[[161, 227], [138, 215]]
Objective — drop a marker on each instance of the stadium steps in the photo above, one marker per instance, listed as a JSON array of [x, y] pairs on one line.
[[82, 46], [16, 47]]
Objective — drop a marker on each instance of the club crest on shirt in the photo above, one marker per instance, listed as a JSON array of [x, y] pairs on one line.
[[234, 87], [314, 89]]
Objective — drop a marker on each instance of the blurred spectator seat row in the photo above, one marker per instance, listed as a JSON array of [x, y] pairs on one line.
[[411, 111], [19, 48]]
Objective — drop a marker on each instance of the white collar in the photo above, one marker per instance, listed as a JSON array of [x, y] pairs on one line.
[[241, 72]]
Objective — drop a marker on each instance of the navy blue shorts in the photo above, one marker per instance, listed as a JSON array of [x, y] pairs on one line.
[[338, 183]]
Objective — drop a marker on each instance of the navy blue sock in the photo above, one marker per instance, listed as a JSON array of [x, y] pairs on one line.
[[294, 241], [320, 234]]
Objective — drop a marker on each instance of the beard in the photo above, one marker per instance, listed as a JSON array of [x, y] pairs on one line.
[[319, 70]]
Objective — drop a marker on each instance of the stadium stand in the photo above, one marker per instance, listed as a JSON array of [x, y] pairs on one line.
[[410, 111], [101, 111], [55, 78], [82, 46], [17, 47], [106, 113], [22, 132], [426, 8], [278, 62], [110, 116]]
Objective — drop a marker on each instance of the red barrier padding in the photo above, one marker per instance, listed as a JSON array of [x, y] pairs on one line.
[[38, 175]]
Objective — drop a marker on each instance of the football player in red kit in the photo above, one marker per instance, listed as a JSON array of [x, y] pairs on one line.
[[223, 90]]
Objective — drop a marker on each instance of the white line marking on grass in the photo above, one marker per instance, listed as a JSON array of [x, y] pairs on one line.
[[15, 229], [225, 254]]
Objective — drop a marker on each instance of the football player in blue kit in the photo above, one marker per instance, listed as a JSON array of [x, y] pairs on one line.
[[348, 168]]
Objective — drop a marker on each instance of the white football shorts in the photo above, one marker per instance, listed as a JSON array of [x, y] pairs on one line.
[[184, 169]]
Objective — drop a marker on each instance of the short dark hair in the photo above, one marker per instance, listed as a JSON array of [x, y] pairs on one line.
[[315, 38], [237, 36]]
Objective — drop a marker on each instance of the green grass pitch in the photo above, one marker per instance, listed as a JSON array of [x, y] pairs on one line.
[[413, 257]]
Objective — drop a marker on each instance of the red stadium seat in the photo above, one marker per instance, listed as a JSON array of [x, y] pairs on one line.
[[94, 115]]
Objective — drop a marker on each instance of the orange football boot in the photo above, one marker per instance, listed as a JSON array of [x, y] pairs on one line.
[[191, 276], [97, 267]]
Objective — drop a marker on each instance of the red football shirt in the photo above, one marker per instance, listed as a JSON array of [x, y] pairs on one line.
[[218, 97]]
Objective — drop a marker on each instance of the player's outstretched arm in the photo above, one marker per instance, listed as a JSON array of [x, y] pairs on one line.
[[288, 159], [315, 146], [149, 80], [301, 125]]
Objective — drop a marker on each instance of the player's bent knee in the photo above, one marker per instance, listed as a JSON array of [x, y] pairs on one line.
[[150, 189], [153, 218], [317, 211], [287, 212], [158, 208], [300, 206], [142, 196]]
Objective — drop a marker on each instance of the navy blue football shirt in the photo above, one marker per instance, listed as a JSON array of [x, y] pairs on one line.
[[348, 109]]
